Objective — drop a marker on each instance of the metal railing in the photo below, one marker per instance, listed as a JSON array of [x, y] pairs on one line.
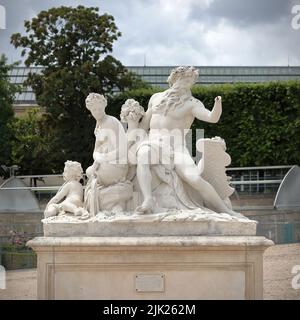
[[258, 168], [242, 177], [262, 179]]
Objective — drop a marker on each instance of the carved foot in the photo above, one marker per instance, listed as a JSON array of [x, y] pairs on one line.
[[146, 207], [84, 216], [51, 210], [235, 214], [81, 213]]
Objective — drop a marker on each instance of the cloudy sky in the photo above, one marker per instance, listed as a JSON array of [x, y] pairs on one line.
[[184, 32]]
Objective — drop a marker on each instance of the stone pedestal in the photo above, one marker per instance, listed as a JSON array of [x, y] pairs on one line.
[[172, 223], [165, 267]]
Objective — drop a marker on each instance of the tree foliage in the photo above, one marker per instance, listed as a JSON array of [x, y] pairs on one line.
[[7, 95], [32, 144], [260, 122], [74, 46]]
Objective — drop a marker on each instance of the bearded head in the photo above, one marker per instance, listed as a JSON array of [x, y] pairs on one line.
[[183, 75]]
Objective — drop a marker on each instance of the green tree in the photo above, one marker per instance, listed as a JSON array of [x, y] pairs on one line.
[[32, 148], [7, 95], [74, 46]]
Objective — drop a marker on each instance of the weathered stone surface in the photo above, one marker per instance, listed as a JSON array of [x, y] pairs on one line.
[[194, 267], [171, 223]]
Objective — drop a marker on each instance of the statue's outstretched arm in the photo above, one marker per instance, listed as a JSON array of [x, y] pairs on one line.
[[201, 113]]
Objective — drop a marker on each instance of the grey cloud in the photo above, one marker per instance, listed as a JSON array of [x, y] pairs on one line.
[[243, 12], [262, 27], [17, 11]]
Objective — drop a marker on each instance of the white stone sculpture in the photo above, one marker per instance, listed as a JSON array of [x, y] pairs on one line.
[[107, 188], [69, 198], [148, 204], [169, 116], [131, 113], [147, 173]]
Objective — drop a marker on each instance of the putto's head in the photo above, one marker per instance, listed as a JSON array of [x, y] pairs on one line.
[[72, 171], [96, 103], [187, 76], [131, 110]]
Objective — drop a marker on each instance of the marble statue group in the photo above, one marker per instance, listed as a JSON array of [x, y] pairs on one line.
[[151, 220], [148, 169]]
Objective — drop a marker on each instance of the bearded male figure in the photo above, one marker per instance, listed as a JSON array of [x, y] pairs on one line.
[[169, 116]]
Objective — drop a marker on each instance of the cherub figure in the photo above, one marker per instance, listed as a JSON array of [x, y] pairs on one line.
[[69, 198], [131, 113]]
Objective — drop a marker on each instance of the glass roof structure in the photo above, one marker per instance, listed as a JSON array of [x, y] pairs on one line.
[[157, 76], [18, 75]]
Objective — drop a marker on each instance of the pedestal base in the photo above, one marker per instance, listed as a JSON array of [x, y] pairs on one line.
[[172, 223], [193, 267]]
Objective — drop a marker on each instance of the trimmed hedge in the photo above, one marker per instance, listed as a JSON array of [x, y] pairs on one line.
[[19, 260], [15, 257], [260, 122]]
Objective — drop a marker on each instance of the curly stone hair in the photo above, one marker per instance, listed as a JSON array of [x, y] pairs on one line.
[[94, 97], [75, 169], [181, 72], [171, 97], [133, 109]]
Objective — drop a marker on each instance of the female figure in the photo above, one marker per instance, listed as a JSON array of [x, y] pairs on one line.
[[110, 155]]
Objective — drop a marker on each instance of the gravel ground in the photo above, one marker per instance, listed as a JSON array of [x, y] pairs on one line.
[[20, 284], [278, 263]]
